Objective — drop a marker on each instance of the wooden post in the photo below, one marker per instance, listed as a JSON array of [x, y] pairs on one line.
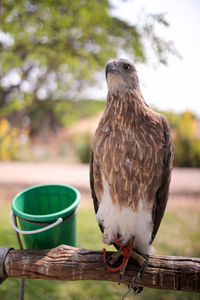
[[68, 263]]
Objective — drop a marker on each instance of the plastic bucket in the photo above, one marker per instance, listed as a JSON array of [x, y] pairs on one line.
[[46, 215]]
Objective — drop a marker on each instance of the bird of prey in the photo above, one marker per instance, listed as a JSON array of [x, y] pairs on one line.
[[130, 168]]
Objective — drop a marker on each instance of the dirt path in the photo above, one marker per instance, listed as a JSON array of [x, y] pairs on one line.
[[15, 176], [41, 173], [185, 181]]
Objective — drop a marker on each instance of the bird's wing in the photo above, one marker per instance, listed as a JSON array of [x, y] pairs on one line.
[[163, 191], [94, 196], [95, 200]]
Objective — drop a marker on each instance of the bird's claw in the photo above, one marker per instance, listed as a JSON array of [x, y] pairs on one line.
[[120, 278], [111, 260], [137, 290], [107, 261], [136, 281]]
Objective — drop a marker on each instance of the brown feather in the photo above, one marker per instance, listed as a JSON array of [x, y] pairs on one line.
[[163, 191], [132, 151]]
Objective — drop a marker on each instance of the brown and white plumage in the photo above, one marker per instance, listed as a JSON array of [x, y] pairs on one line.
[[131, 162]]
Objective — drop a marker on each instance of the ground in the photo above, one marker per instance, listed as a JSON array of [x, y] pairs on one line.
[[15, 176]]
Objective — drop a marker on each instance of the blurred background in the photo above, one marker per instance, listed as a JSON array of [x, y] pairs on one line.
[[53, 93]]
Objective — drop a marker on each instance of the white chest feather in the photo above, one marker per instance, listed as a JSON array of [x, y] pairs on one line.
[[124, 222]]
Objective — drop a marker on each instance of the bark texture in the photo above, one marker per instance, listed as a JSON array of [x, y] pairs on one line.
[[68, 263]]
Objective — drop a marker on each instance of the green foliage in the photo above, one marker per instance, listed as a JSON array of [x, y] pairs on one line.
[[186, 144], [82, 144], [55, 48], [70, 111], [89, 108], [13, 142]]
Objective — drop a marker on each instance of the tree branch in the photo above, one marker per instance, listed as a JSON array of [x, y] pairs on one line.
[[68, 263]]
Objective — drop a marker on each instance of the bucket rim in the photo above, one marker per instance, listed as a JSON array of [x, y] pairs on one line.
[[47, 217]]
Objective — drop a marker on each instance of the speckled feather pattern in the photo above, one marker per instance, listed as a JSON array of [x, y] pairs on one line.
[[128, 144], [131, 158]]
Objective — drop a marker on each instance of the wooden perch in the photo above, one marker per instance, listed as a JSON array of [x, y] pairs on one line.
[[68, 263]]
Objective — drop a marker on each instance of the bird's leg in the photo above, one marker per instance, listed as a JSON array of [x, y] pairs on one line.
[[143, 262], [122, 272], [139, 258], [135, 286], [115, 256], [128, 248], [125, 252]]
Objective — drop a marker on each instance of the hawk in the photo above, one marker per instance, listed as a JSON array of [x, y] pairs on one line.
[[130, 167]]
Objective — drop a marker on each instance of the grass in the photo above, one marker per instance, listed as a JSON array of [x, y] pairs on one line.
[[179, 235]]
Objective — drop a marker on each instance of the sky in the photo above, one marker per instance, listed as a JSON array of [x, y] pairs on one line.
[[177, 86]]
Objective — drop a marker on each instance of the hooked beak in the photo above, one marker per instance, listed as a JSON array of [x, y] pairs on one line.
[[111, 68]]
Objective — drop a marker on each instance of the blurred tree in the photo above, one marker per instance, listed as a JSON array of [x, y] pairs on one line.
[[13, 142], [186, 143], [50, 50]]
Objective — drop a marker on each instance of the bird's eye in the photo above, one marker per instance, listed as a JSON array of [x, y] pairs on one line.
[[127, 67]]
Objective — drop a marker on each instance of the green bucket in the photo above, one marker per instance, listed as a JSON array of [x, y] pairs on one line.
[[46, 215]]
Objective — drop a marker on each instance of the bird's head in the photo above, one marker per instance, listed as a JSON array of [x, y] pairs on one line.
[[121, 75]]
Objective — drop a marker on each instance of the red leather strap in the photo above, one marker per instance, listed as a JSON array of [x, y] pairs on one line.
[[126, 254]]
